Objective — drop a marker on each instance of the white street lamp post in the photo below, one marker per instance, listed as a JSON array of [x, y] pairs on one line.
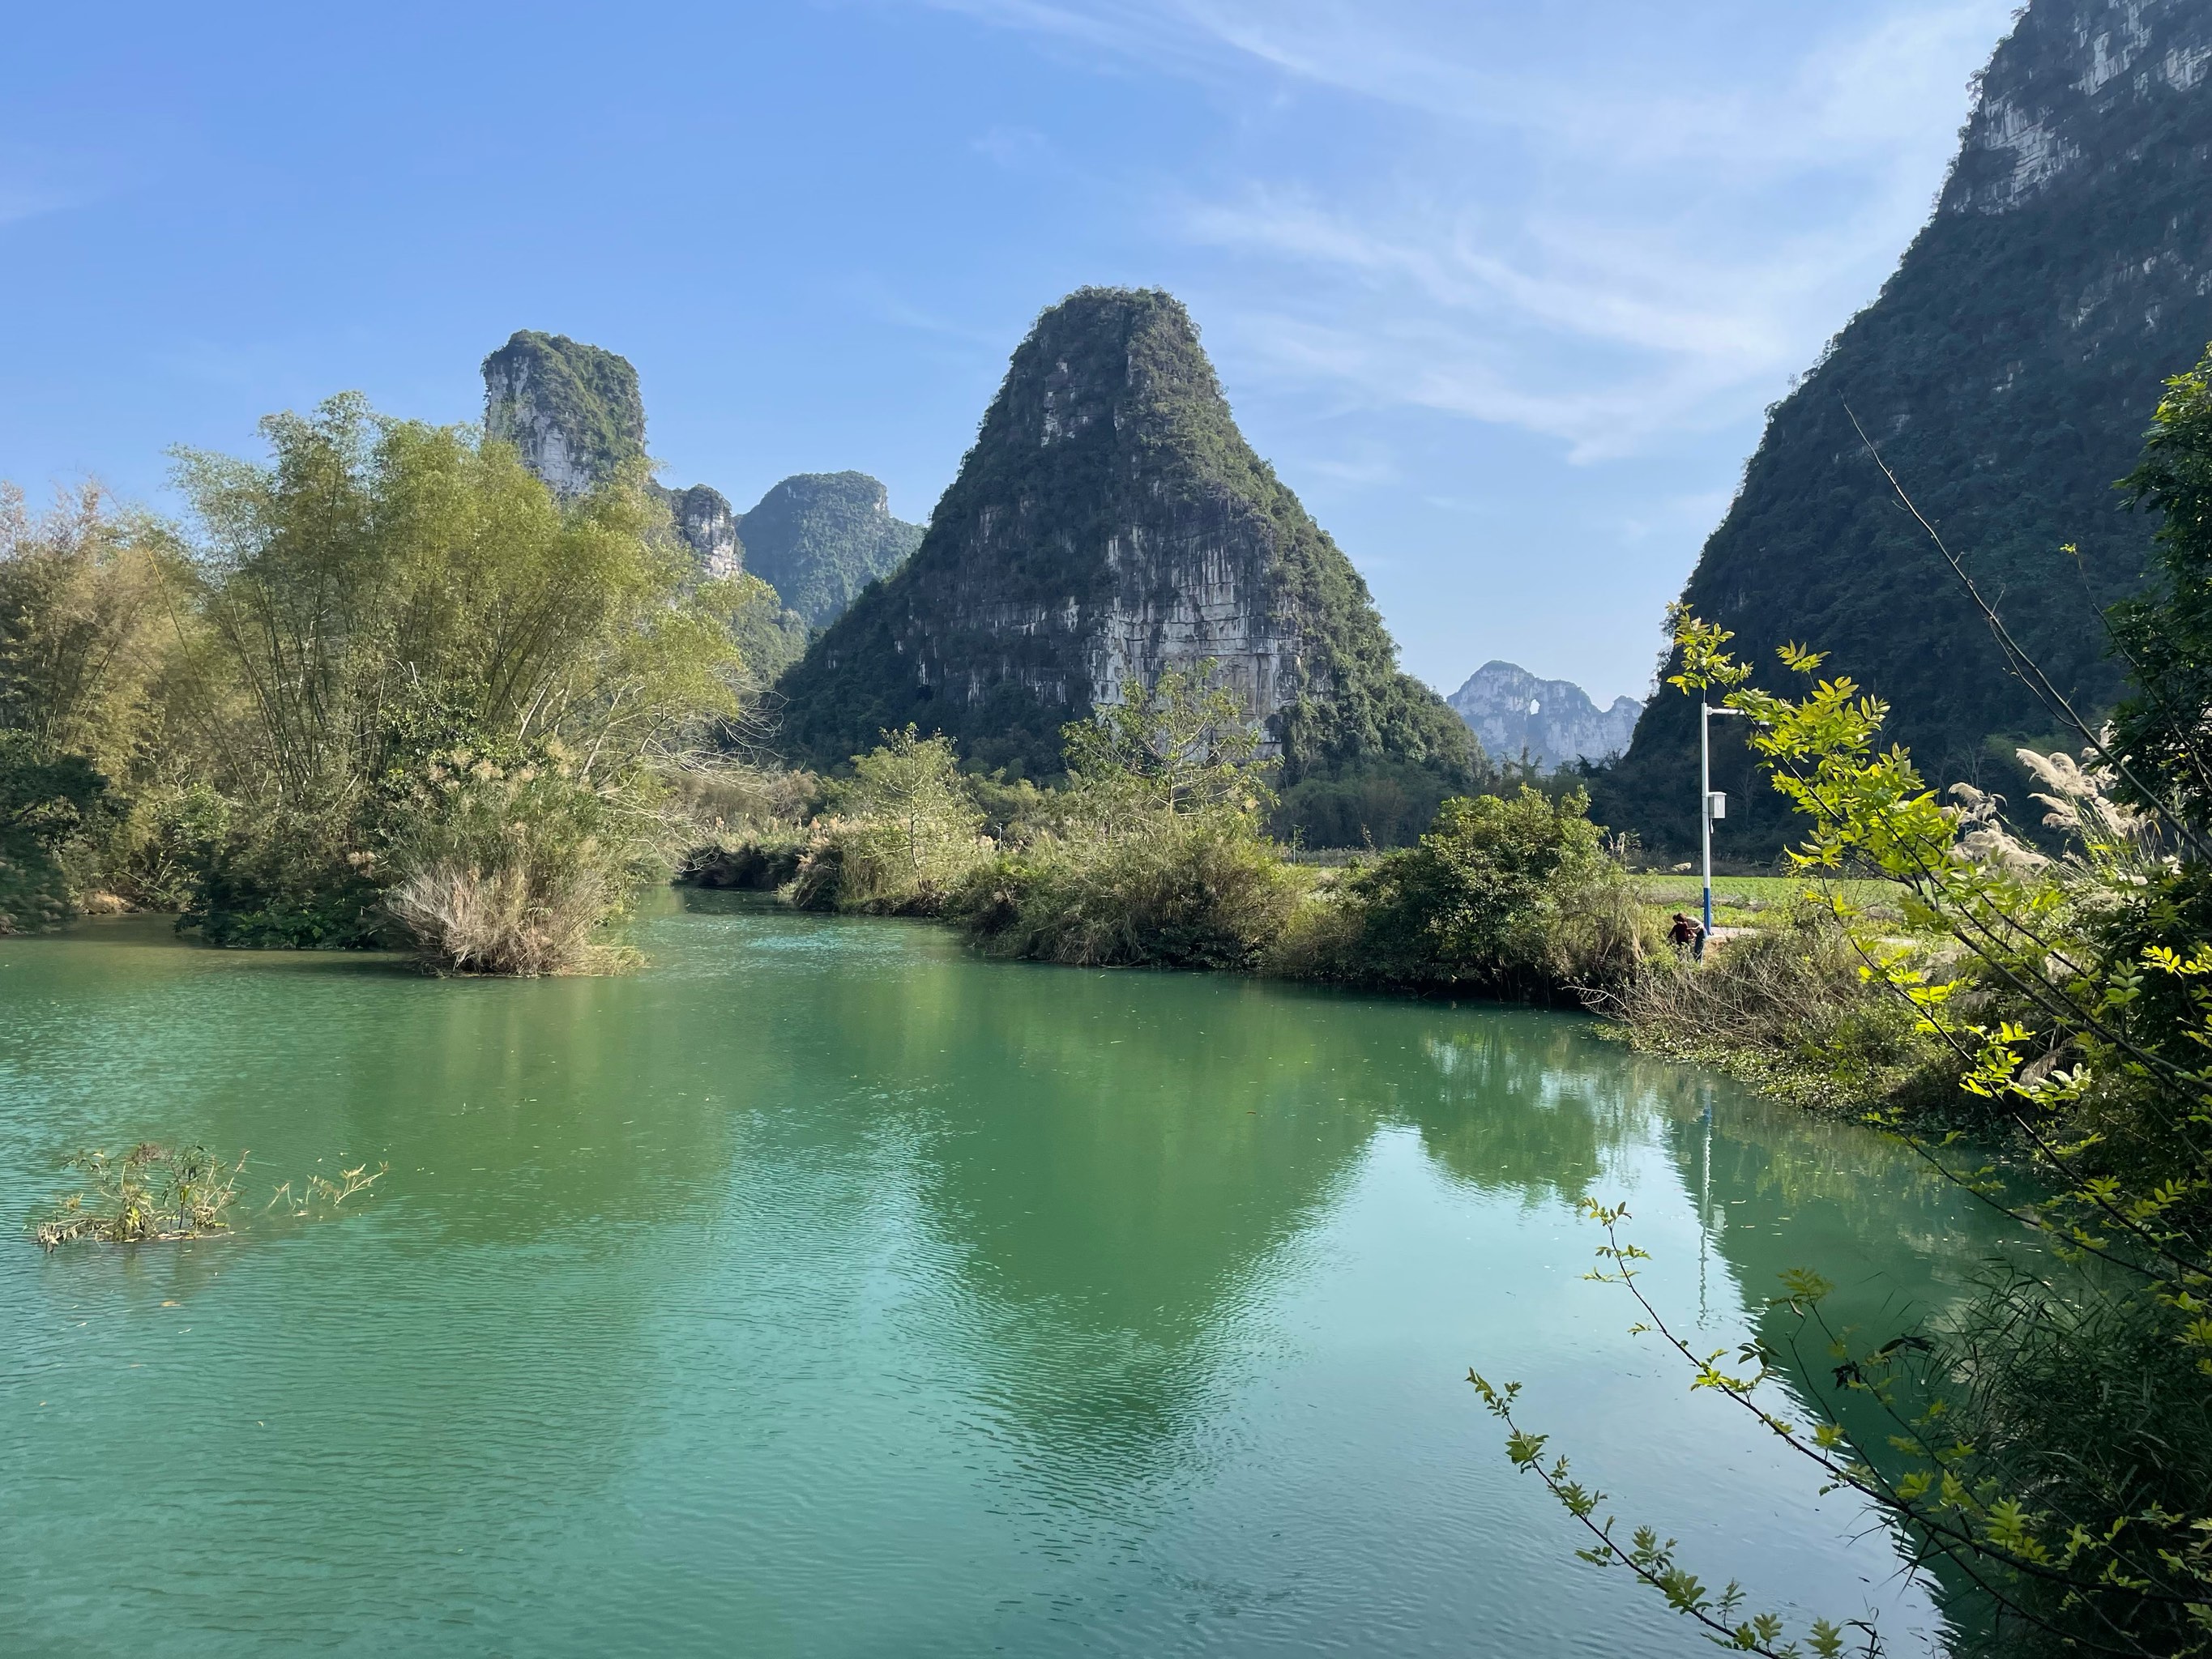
[[1709, 805]]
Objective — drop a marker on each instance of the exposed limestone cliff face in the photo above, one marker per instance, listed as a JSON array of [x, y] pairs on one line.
[[1110, 522], [1552, 722], [575, 413], [2007, 371], [703, 518], [2048, 96], [572, 409]]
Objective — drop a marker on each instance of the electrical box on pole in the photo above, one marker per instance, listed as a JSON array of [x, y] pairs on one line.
[[1716, 802]]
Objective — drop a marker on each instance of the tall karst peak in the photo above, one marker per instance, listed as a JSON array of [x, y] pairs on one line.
[[1110, 522], [572, 409], [2006, 372], [575, 413]]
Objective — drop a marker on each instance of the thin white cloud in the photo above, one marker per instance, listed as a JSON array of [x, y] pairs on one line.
[[1599, 226], [36, 181]]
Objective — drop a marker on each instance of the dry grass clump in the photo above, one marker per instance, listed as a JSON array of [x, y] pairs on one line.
[[512, 920], [507, 866]]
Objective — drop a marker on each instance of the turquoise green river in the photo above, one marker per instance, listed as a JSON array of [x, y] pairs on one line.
[[824, 1290]]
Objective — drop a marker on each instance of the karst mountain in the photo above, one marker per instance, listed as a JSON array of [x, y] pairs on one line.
[[575, 413], [1110, 522], [2006, 372], [1545, 724]]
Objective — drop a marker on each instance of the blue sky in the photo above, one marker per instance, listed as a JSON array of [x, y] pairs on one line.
[[1502, 287]]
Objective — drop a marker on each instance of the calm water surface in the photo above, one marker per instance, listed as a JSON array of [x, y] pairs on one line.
[[823, 1290]]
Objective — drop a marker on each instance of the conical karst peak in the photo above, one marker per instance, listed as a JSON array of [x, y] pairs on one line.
[[572, 409], [1111, 522]]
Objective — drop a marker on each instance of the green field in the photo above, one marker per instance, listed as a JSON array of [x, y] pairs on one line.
[[1758, 901]]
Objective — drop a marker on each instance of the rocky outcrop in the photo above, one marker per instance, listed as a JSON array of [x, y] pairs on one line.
[[2053, 90], [572, 409], [575, 413], [1111, 522], [1550, 723], [703, 518], [820, 537], [2007, 372]]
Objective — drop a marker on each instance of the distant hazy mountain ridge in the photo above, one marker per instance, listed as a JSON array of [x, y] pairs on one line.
[[1552, 722], [1110, 522], [2007, 371], [574, 412]]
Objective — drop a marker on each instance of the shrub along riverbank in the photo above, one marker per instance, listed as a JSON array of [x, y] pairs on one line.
[[382, 687], [1155, 852]]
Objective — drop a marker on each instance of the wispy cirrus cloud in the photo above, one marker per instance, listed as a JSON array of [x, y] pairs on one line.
[[37, 180], [1600, 224]]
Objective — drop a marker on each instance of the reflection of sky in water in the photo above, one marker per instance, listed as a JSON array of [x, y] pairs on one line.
[[824, 1290]]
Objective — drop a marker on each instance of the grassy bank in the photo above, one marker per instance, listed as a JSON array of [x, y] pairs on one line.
[[1760, 901]]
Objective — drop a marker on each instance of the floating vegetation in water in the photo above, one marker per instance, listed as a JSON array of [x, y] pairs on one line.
[[151, 1192], [155, 1194], [322, 1194]]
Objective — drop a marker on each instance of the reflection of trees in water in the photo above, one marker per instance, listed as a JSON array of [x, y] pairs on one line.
[[1113, 1163], [1122, 1163], [1776, 1189], [513, 1109], [1526, 1101]]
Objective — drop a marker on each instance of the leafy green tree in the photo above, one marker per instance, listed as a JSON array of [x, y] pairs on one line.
[[1154, 853], [1516, 896], [2162, 732], [88, 608], [901, 833], [47, 803], [1186, 745], [381, 594], [89, 624], [913, 785]]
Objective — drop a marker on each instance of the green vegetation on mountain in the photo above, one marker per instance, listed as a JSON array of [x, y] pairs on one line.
[[2006, 373], [819, 538], [1111, 522], [540, 383]]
